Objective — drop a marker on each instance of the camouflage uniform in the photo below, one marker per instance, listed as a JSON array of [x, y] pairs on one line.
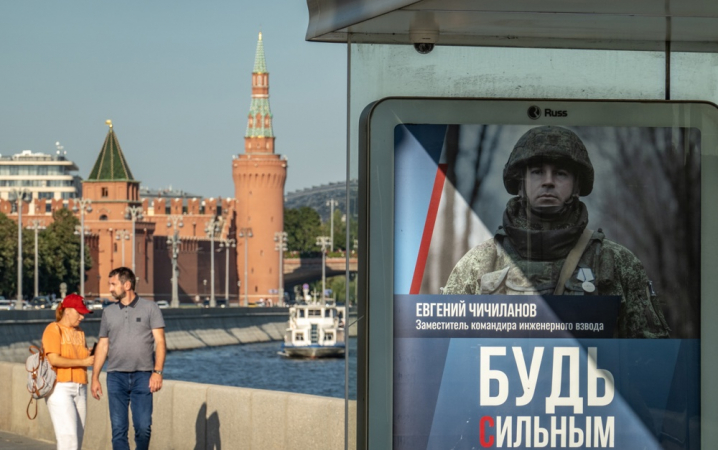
[[499, 266]]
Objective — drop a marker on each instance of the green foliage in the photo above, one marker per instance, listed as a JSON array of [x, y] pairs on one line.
[[59, 250], [8, 256], [338, 286], [58, 256], [302, 226]]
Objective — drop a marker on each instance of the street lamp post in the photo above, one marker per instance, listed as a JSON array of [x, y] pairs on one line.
[[19, 197], [245, 233], [280, 237], [176, 223], [323, 242], [134, 213], [227, 244], [85, 206], [211, 230], [120, 236], [36, 226], [331, 203]]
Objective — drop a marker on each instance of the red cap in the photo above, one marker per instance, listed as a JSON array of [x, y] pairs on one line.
[[76, 302]]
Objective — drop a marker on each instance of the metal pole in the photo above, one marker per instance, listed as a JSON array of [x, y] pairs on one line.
[[175, 287], [226, 273], [36, 226], [176, 223], [246, 283], [281, 273], [134, 231], [245, 233], [212, 300], [85, 206], [19, 195], [331, 202], [82, 251], [36, 278], [323, 242], [280, 237], [134, 212], [324, 273]]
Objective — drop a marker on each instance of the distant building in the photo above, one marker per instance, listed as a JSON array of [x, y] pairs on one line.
[[44, 176], [317, 198]]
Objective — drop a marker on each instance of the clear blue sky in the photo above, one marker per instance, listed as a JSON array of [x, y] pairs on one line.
[[175, 78]]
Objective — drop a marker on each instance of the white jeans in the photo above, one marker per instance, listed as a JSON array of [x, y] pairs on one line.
[[68, 408]]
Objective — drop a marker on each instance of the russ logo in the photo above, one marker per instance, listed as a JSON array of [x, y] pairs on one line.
[[534, 112]]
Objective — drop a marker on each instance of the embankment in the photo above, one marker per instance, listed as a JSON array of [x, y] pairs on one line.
[[184, 328], [197, 416]]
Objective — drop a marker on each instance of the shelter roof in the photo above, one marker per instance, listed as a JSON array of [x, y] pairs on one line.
[[690, 25]]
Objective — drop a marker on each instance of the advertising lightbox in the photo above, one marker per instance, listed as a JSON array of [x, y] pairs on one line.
[[536, 273]]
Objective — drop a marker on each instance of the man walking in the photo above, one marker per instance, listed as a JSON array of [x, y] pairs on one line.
[[132, 340]]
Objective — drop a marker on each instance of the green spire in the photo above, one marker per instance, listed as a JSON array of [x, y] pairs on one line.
[[111, 164], [260, 65], [260, 116]]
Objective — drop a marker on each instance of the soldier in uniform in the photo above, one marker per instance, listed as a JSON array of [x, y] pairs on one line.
[[545, 228]]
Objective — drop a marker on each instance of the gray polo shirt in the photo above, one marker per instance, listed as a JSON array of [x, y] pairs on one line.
[[129, 329]]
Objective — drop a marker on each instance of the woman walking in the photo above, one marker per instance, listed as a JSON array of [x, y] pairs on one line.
[[65, 349]]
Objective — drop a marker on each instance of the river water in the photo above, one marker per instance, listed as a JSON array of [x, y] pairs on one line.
[[259, 366]]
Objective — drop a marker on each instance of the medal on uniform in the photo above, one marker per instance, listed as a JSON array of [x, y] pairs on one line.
[[586, 275]]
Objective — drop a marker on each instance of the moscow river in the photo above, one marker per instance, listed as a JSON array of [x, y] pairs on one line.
[[259, 366]]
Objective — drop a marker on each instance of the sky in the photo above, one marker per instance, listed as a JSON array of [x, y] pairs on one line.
[[175, 79]]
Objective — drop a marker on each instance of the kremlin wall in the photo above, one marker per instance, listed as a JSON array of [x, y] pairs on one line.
[[246, 226]]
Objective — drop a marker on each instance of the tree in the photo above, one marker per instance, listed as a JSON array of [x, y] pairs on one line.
[[59, 249], [302, 226], [8, 256]]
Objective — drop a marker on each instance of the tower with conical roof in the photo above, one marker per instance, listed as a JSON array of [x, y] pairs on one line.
[[259, 175], [111, 187], [110, 182]]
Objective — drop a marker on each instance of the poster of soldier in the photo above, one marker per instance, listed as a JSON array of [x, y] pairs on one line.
[[547, 286]]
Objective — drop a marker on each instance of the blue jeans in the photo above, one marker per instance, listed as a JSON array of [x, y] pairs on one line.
[[130, 389]]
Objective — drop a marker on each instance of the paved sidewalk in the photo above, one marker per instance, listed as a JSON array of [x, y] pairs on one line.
[[12, 441]]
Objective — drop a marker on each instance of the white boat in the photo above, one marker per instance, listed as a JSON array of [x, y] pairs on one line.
[[315, 330]]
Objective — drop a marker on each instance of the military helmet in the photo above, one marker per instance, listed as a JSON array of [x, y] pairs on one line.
[[548, 143]]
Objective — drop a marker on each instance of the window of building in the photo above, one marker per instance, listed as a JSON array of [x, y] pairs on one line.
[[45, 195], [103, 217], [105, 192]]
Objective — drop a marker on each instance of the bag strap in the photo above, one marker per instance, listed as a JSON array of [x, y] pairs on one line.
[[27, 411], [572, 260], [33, 350]]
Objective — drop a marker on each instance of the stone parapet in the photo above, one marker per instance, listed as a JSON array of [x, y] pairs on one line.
[[197, 416]]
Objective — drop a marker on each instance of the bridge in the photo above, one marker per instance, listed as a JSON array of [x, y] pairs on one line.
[[302, 270]]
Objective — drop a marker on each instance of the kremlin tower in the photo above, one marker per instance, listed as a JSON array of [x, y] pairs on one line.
[[259, 175]]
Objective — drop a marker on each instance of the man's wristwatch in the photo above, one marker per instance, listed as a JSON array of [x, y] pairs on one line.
[[158, 372]]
